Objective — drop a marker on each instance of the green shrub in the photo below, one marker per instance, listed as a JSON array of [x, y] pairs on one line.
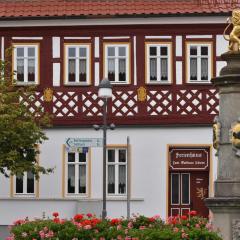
[[88, 227]]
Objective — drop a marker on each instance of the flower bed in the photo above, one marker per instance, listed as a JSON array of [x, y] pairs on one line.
[[88, 227]]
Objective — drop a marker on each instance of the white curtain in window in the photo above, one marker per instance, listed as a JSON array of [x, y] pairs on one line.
[[83, 66], [111, 174], [193, 68], [111, 65], [71, 66], [82, 176], [122, 65], [164, 71], [153, 68], [71, 174], [122, 174], [204, 68]]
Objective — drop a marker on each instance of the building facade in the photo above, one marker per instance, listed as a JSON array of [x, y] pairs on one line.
[[160, 57]]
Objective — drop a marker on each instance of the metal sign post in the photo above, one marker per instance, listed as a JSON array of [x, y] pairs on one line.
[[128, 178]]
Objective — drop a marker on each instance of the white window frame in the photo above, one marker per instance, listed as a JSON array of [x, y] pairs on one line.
[[77, 164], [116, 57], [24, 193], [169, 58], [199, 56], [37, 62], [117, 164], [88, 66]]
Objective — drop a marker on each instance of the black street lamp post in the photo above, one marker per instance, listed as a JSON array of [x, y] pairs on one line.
[[104, 92]]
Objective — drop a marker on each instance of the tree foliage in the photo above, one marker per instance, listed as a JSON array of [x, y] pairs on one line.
[[20, 129]]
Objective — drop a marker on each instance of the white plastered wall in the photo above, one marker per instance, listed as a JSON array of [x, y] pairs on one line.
[[148, 169]]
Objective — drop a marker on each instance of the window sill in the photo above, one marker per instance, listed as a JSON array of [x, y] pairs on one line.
[[77, 84], [26, 83], [158, 83], [24, 195], [199, 82]]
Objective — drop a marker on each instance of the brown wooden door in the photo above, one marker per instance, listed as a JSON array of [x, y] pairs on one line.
[[187, 192]]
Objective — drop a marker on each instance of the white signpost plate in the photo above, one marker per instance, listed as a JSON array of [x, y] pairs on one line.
[[84, 142]]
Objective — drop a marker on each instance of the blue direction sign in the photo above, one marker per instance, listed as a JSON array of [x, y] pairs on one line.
[[83, 142]]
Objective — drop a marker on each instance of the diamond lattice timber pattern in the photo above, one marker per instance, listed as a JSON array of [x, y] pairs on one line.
[[175, 105]]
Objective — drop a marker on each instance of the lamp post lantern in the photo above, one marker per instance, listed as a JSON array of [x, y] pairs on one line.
[[105, 92]]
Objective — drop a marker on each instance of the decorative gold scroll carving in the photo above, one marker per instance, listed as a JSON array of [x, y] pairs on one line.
[[201, 193], [48, 95], [141, 94], [234, 36]]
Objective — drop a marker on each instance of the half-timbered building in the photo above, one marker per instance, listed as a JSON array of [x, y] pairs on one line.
[[160, 57]]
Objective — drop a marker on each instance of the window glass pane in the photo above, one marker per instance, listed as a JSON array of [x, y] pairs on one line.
[[71, 70], [82, 52], [122, 51], [122, 155], [19, 184], [204, 50], [164, 51], [153, 51], [193, 68], [111, 155], [71, 179], [71, 157], [83, 70], [71, 52], [82, 179], [111, 69], [31, 52], [111, 51], [30, 182], [122, 70], [153, 69], [175, 188], [122, 179], [185, 189], [204, 69], [20, 51], [20, 70], [31, 70], [164, 69], [82, 157], [193, 50], [111, 179]]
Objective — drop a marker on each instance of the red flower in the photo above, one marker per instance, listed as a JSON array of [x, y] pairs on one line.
[[89, 215], [183, 217], [115, 221], [193, 213], [56, 220], [55, 214], [78, 217], [151, 219]]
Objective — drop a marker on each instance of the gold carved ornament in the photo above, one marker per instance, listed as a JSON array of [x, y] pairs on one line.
[[201, 193], [141, 94], [234, 36], [216, 133], [235, 135], [48, 95]]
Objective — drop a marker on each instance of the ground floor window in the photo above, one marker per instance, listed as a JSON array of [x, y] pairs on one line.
[[25, 184], [77, 172], [117, 171]]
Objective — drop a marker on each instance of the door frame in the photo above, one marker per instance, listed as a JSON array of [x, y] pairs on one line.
[[211, 182]]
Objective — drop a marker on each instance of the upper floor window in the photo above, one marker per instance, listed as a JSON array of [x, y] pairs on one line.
[[158, 63], [25, 184], [26, 63], [199, 62], [117, 62], [77, 64], [77, 173], [117, 171]]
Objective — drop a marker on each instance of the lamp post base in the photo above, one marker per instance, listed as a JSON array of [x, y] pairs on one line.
[[104, 214]]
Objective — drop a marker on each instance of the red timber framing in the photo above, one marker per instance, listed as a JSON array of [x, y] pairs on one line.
[[164, 103]]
